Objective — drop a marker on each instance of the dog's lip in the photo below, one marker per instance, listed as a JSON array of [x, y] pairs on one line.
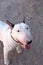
[[27, 46], [24, 45]]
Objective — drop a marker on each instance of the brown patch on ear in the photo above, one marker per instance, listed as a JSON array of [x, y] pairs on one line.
[[10, 24]]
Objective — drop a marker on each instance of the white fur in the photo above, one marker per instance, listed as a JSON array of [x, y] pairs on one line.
[[23, 35]]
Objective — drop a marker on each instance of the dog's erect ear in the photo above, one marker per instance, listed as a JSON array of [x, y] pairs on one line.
[[10, 24], [24, 20]]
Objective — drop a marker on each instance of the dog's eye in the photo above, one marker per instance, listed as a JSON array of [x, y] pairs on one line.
[[27, 28], [18, 31]]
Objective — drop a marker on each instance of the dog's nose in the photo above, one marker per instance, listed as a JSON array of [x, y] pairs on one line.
[[29, 42]]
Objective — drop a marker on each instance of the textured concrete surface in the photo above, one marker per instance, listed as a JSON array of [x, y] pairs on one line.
[[15, 10]]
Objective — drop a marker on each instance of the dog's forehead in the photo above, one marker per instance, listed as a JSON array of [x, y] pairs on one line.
[[20, 26]]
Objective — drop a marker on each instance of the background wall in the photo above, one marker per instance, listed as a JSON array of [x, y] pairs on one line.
[[15, 10]]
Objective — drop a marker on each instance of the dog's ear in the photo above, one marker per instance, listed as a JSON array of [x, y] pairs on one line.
[[24, 20], [10, 24]]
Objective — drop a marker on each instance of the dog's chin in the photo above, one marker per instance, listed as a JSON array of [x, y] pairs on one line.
[[27, 47]]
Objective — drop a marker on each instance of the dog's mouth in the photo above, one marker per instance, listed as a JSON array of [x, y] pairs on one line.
[[27, 46], [24, 45]]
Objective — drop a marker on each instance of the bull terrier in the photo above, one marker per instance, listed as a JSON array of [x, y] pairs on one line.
[[14, 36]]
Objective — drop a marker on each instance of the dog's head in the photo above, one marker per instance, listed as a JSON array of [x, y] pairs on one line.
[[21, 33]]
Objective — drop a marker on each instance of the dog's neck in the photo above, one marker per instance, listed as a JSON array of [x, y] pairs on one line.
[[12, 36]]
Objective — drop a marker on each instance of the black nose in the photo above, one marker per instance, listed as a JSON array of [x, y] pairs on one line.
[[29, 42]]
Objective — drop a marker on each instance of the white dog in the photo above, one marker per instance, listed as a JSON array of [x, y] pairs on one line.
[[14, 37]]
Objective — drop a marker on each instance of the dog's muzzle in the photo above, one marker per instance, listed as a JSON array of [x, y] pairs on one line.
[[26, 46]]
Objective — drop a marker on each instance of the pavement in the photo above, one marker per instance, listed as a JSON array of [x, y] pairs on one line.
[[15, 11]]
